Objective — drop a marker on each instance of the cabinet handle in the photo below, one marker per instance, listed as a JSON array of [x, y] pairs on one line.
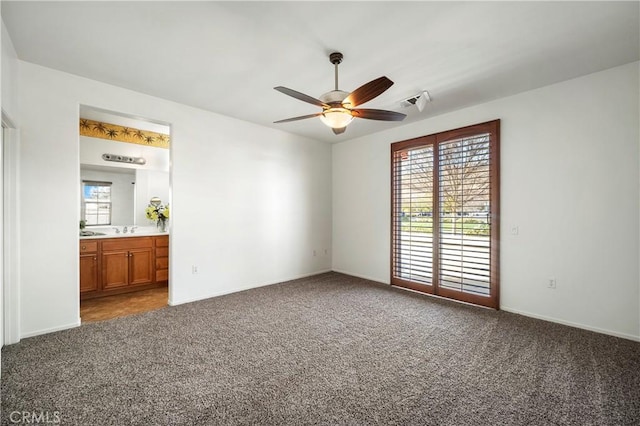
[[84, 247], [95, 258]]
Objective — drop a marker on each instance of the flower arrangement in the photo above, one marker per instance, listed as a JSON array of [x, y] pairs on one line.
[[159, 214]]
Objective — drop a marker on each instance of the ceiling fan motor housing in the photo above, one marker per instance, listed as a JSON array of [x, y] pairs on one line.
[[334, 97]]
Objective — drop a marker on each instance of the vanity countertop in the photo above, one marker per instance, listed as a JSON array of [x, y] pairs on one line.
[[121, 235]]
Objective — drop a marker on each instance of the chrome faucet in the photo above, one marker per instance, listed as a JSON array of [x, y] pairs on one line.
[[117, 230], [133, 228], [124, 230]]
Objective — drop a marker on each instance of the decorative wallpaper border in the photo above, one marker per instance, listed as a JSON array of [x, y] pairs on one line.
[[98, 129]]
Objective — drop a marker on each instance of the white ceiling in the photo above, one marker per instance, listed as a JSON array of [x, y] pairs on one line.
[[226, 57]]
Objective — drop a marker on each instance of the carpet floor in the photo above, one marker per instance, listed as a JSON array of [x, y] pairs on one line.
[[331, 350]]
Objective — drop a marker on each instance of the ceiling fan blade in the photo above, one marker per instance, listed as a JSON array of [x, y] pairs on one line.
[[339, 131], [368, 91], [302, 117], [301, 96], [377, 114]]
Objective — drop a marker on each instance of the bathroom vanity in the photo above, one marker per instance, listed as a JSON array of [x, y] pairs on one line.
[[121, 264]]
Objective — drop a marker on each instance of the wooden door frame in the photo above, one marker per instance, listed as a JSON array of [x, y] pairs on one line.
[[492, 127]]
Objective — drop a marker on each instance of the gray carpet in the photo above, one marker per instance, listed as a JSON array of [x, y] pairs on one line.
[[331, 350]]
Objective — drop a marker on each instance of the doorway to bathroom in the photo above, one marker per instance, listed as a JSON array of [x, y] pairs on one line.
[[124, 214]]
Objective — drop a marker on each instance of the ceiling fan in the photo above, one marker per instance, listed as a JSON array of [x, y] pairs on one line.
[[339, 108]]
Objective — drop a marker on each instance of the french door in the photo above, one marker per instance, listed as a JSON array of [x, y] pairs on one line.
[[445, 214]]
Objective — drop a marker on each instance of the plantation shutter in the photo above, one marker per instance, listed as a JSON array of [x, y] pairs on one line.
[[413, 214], [444, 214], [464, 214]]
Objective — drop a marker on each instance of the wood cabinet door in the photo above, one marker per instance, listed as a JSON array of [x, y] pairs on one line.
[[141, 266], [115, 269], [88, 272]]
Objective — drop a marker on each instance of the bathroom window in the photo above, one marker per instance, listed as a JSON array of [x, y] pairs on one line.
[[96, 203]]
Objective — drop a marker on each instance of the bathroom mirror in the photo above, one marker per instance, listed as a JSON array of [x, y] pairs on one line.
[[120, 172], [124, 194]]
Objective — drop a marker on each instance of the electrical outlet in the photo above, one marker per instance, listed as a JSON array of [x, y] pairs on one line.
[[552, 283], [515, 230], [315, 253], [194, 269], [326, 252]]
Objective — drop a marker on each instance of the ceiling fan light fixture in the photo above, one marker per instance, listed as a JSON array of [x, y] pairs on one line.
[[336, 118]]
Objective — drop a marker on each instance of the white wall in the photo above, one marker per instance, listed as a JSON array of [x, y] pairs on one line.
[[9, 75], [569, 181], [249, 204], [11, 243]]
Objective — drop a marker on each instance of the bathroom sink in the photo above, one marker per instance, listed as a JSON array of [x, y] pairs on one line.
[[90, 233]]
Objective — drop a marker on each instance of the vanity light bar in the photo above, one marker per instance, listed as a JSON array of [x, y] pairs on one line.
[[123, 159]]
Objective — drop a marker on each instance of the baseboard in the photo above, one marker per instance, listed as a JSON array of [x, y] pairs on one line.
[[524, 313], [571, 324], [50, 330], [364, 277], [244, 288]]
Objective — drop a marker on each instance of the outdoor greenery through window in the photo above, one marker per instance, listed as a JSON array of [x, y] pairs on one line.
[[444, 214], [96, 203]]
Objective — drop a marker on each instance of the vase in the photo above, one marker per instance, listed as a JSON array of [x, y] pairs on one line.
[[162, 225]]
